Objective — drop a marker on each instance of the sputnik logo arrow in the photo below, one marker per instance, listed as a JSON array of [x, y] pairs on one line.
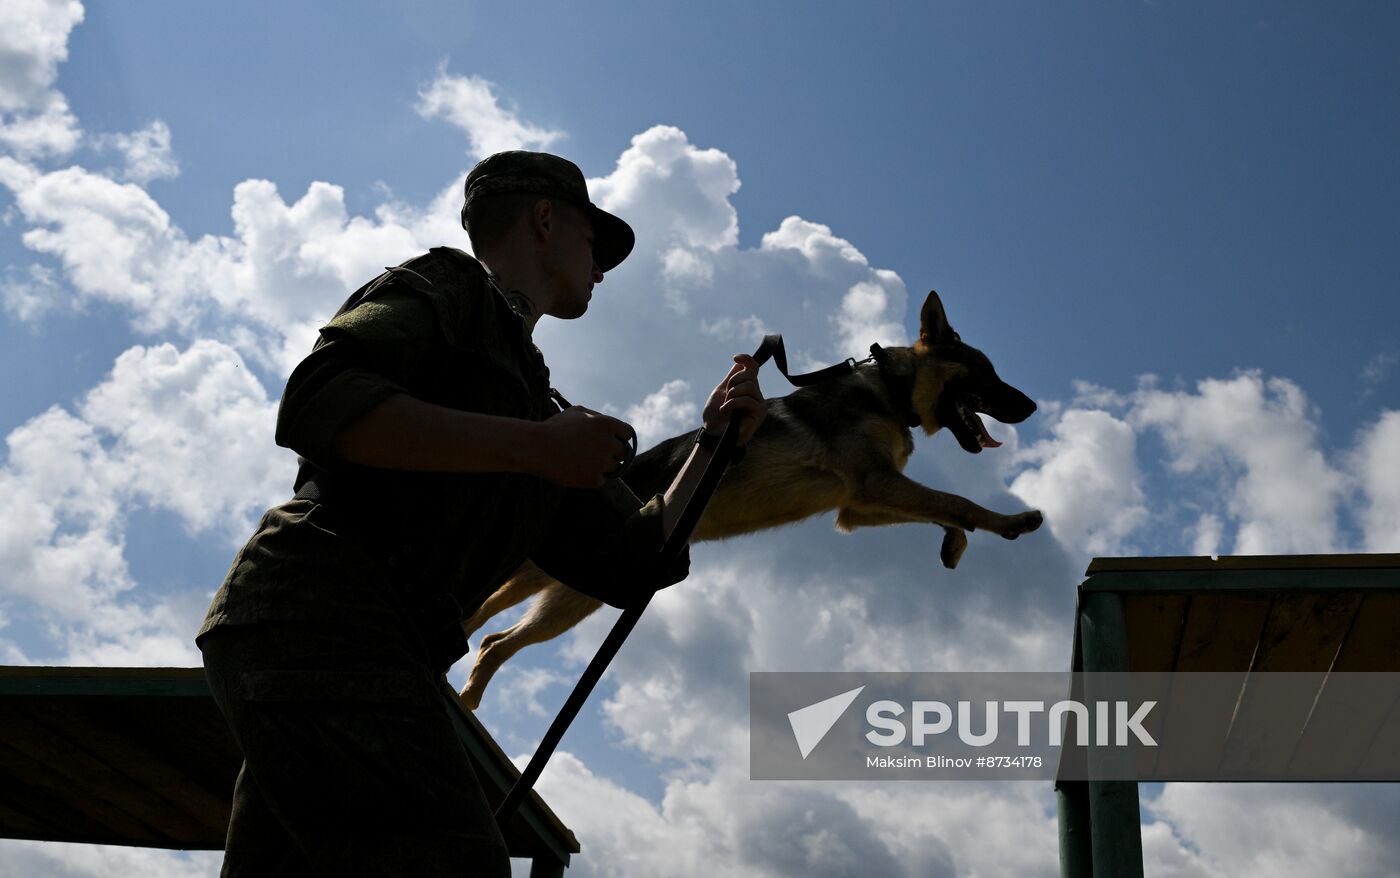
[[811, 723]]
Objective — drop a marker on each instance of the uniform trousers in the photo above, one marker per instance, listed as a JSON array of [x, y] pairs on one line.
[[352, 765]]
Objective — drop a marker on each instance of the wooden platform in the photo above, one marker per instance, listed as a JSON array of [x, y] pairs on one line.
[[141, 756], [1300, 613], [1288, 636]]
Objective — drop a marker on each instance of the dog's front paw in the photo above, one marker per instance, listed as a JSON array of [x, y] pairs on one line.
[[954, 544], [1022, 523]]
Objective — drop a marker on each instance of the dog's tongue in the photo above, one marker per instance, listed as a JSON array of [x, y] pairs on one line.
[[983, 437]]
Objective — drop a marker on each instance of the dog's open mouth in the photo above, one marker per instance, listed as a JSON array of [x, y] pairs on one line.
[[974, 423], [961, 410]]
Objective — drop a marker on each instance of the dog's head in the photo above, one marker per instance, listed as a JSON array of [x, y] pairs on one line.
[[954, 382]]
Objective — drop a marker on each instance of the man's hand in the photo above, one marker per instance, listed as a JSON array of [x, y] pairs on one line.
[[579, 446], [738, 392]]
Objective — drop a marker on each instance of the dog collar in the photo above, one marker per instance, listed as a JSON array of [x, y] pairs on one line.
[[901, 387]]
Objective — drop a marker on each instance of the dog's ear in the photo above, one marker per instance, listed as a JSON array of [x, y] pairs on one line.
[[933, 323]]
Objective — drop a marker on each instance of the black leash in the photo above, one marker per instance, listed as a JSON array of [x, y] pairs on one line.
[[771, 348]]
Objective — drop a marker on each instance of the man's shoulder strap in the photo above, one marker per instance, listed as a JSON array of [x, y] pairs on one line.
[[439, 265], [447, 278], [461, 257]]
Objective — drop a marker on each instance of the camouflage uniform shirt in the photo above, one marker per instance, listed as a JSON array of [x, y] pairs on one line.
[[438, 329]]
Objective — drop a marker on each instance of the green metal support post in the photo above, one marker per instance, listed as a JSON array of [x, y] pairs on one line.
[[1114, 819], [1076, 854]]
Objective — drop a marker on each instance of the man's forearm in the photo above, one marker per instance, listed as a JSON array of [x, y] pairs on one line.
[[408, 434], [683, 487]]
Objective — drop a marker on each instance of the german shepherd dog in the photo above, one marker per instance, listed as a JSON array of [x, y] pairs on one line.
[[837, 445]]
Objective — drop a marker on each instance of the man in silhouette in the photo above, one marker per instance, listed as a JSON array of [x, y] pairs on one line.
[[433, 462]]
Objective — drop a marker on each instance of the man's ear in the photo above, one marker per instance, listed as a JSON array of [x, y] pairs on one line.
[[542, 218], [933, 323]]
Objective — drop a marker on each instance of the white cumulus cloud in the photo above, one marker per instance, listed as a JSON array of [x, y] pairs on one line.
[[802, 280], [1087, 482], [151, 436], [1244, 461], [265, 289], [51, 860], [1377, 467], [866, 316], [30, 293], [1258, 436], [34, 118], [672, 193], [1254, 831], [146, 153], [470, 103], [51, 131], [667, 412]]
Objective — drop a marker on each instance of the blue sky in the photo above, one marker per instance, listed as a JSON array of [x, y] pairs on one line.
[[1210, 183], [1172, 225]]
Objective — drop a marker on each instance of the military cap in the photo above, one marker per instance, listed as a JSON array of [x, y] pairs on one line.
[[521, 171]]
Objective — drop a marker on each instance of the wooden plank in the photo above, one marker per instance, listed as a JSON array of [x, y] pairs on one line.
[[71, 672], [191, 737], [24, 680], [1261, 581], [1219, 637], [1371, 644], [1221, 632], [1299, 641], [1382, 758], [1245, 562], [39, 805], [535, 830], [1358, 561], [1155, 625], [1163, 562], [1350, 712], [1304, 631], [156, 733], [65, 741], [1152, 686], [16, 818], [1269, 720], [31, 764], [155, 789]]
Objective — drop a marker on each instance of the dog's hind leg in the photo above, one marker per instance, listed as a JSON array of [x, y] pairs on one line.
[[557, 609], [954, 538], [524, 583], [954, 544]]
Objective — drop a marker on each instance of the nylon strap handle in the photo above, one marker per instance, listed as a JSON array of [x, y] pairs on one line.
[[771, 348]]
